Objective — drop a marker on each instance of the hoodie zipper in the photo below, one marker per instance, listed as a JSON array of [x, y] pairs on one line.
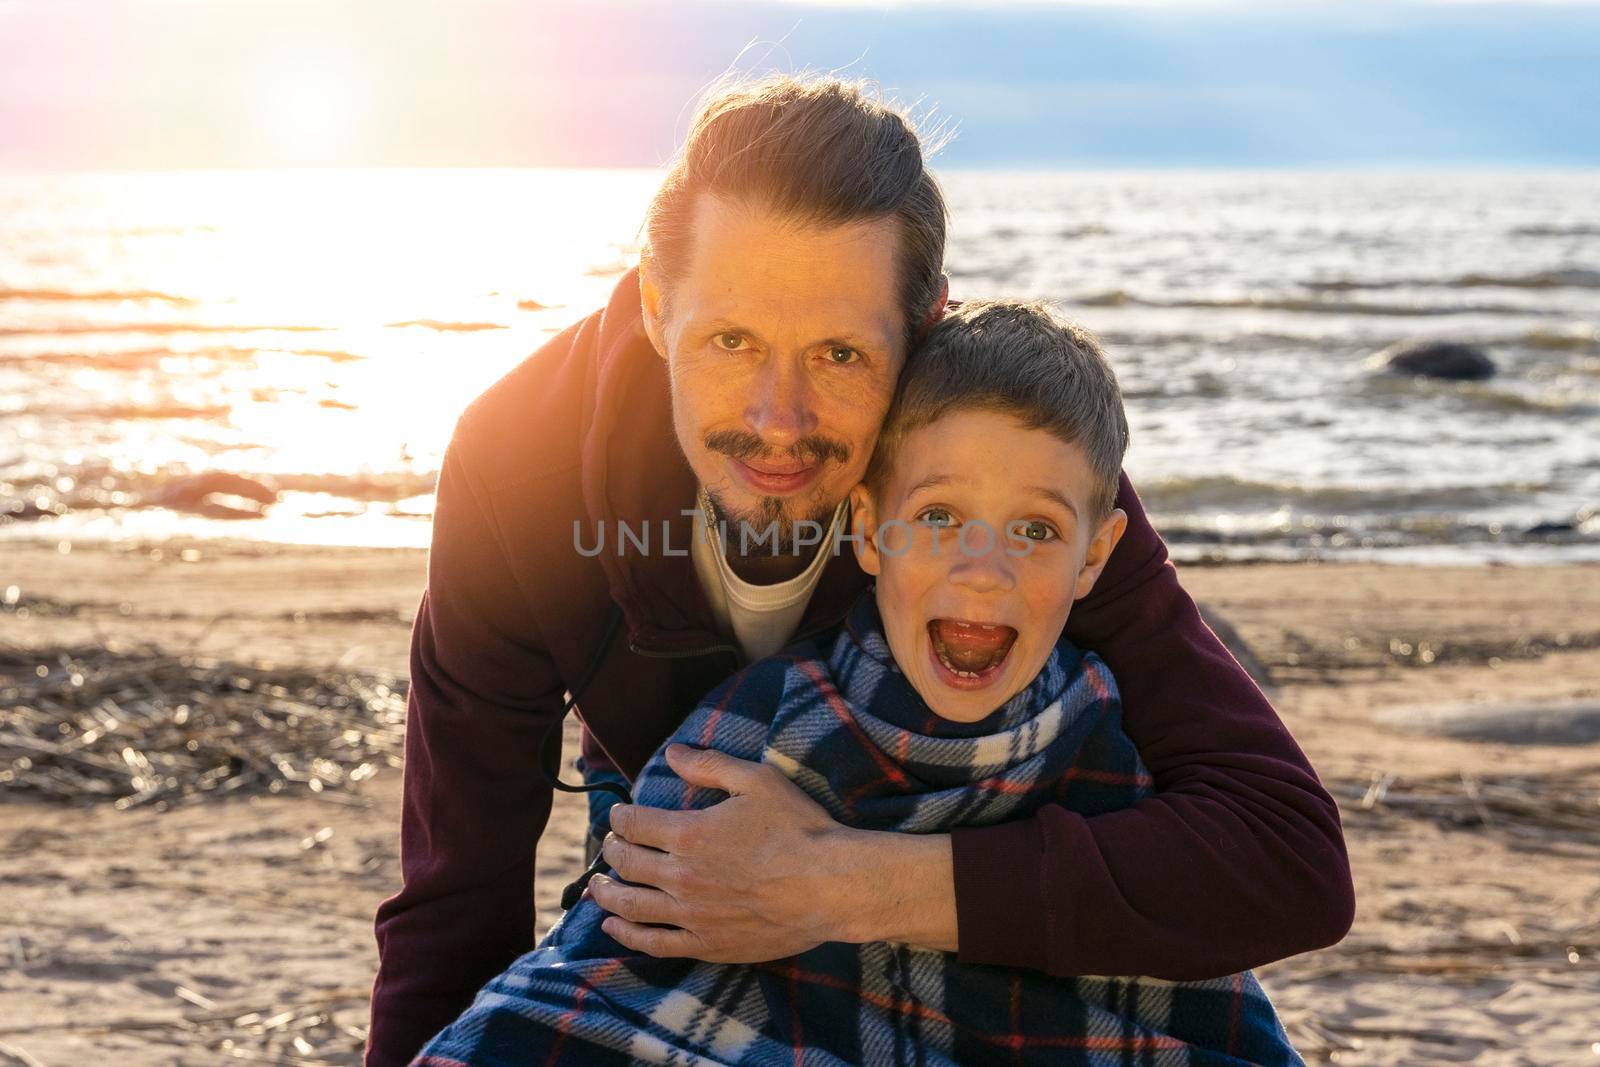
[[688, 653]]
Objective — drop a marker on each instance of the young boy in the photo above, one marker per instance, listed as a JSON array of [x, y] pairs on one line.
[[947, 698]]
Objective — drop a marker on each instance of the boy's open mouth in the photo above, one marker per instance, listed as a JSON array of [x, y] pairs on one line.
[[972, 651]]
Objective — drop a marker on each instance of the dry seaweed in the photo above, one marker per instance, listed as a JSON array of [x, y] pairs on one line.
[[1558, 809], [328, 1030], [137, 726]]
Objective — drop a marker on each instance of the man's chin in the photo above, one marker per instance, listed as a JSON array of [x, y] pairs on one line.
[[758, 517]]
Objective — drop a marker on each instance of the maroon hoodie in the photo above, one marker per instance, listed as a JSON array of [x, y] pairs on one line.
[[1237, 859]]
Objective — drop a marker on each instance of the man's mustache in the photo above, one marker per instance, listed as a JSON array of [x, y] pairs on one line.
[[812, 451]]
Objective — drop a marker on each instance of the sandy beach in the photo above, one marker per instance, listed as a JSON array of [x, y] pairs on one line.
[[239, 929]]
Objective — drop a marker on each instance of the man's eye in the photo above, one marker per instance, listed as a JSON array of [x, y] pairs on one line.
[[936, 517], [841, 355], [730, 341], [1035, 530]]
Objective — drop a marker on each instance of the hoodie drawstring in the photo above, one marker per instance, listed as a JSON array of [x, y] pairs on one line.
[[550, 753]]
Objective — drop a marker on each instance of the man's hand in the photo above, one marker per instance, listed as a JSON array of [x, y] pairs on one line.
[[762, 875]]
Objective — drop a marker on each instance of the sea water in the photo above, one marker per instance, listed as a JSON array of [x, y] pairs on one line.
[[322, 330]]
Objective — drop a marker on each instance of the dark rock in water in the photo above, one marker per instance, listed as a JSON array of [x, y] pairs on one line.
[[1236, 644], [1526, 723], [1449, 360], [1546, 529], [194, 492]]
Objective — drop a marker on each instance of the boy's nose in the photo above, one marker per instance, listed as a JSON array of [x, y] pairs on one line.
[[980, 562], [779, 409]]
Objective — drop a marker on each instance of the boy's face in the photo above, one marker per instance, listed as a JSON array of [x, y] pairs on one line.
[[980, 539]]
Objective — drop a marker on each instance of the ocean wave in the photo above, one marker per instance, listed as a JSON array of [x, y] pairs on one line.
[[387, 487], [1203, 384], [1226, 493], [56, 491], [76, 329], [1459, 544], [1115, 298], [146, 358], [113, 296], [1064, 233], [131, 412], [1581, 229], [1319, 534], [138, 359], [1494, 399], [1562, 341], [1561, 278], [1486, 395], [131, 360], [457, 327], [1556, 278]]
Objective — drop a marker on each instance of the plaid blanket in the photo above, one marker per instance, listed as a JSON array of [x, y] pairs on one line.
[[842, 722]]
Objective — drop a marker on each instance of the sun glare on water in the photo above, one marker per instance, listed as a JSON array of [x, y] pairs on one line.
[[319, 327]]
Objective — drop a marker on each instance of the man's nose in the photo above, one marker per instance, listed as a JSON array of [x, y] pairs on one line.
[[780, 408], [979, 561]]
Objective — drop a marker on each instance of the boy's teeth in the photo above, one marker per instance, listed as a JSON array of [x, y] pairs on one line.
[[968, 649]]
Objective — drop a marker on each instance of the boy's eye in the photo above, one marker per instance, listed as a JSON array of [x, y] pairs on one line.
[[1035, 530], [936, 517], [841, 355], [731, 342]]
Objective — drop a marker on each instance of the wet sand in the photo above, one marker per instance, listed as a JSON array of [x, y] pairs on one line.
[[145, 937]]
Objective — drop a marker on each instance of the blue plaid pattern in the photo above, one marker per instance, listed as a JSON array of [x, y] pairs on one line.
[[843, 723]]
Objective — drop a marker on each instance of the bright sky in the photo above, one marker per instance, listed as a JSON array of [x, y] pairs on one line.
[[92, 84]]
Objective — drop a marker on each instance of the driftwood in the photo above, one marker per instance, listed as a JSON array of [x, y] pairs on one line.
[[1553, 809], [328, 1030], [140, 726]]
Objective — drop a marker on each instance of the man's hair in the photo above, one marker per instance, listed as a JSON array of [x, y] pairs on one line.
[[817, 150], [1020, 359]]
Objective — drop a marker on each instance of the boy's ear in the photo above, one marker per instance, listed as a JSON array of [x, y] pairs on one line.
[[864, 527], [650, 304], [936, 310], [1100, 547]]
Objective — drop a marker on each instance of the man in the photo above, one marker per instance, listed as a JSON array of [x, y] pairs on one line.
[[793, 254]]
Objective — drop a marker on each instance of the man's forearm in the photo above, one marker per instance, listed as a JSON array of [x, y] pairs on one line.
[[896, 887]]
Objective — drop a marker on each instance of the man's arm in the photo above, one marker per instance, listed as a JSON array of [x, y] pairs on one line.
[[483, 694], [1236, 860]]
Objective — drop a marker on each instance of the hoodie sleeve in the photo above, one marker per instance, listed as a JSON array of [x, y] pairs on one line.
[[1236, 860], [483, 694]]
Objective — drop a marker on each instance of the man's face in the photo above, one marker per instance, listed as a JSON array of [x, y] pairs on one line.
[[783, 341]]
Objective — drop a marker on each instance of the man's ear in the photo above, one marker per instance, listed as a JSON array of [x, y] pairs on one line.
[[1100, 547], [650, 304], [864, 527]]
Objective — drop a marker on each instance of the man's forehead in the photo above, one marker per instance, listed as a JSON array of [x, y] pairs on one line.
[[758, 269], [832, 315]]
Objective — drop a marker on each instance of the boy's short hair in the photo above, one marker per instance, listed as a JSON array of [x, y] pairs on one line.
[[1021, 359]]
